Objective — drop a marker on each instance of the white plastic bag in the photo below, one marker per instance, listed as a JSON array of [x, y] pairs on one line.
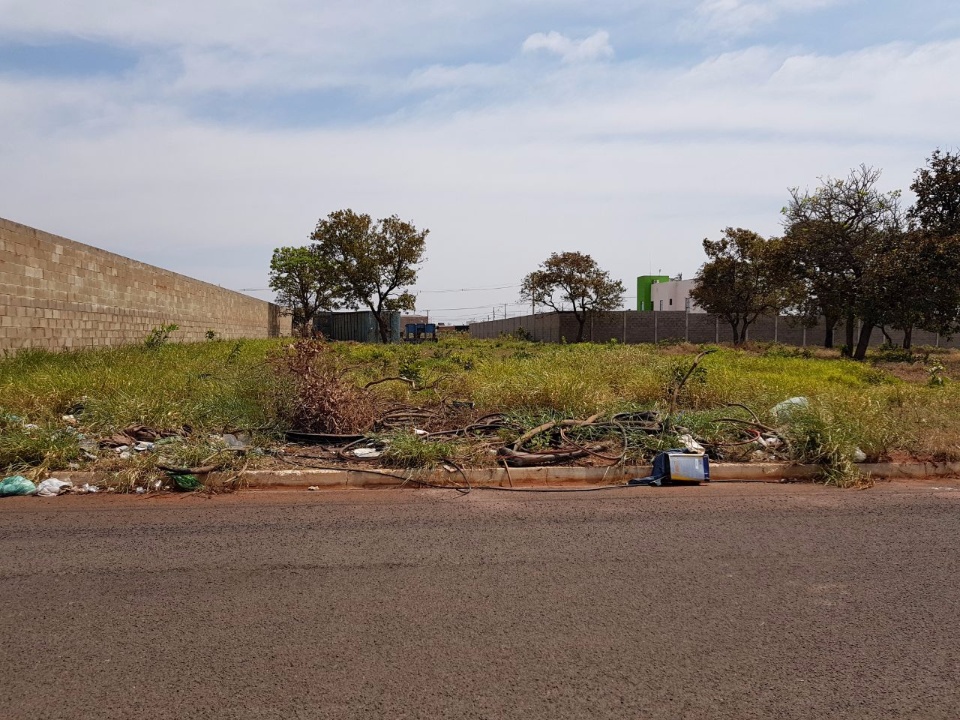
[[53, 487]]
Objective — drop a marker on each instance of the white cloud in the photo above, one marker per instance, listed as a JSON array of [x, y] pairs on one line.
[[594, 47], [735, 18]]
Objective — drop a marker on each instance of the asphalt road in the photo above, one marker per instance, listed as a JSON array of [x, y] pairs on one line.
[[721, 601]]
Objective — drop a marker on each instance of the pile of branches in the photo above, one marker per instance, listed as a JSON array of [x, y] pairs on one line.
[[326, 408], [316, 395]]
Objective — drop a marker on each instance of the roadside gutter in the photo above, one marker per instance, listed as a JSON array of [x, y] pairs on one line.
[[535, 476]]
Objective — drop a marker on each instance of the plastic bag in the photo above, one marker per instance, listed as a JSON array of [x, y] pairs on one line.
[[16, 485], [53, 487]]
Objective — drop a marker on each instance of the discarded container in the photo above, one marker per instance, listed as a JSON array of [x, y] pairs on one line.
[[17, 485], [688, 467], [675, 467]]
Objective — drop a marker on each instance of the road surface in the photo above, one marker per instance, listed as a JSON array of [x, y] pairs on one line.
[[721, 601]]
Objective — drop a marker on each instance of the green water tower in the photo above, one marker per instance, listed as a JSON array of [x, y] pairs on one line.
[[644, 285]]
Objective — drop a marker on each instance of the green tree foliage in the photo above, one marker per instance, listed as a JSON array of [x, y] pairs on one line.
[[743, 278], [937, 187], [927, 267], [574, 279], [839, 238], [304, 282], [374, 261], [918, 283]]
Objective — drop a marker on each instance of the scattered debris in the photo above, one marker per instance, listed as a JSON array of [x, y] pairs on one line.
[[859, 456], [314, 488], [782, 410], [367, 452], [240, 441]]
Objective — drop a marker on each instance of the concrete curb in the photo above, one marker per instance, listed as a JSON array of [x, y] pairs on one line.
[[537, 476]]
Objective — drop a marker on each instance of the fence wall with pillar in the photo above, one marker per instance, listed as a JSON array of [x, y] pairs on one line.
[[632, 327]]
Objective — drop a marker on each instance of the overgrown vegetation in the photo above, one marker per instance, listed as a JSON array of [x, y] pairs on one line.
[[55, 405]]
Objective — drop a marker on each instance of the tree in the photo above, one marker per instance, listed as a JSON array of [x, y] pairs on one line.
[[838, 237], [937, 187], [919, 284], [374, 261], [575, 279], [742, 279], [304, 282], [927, 269]]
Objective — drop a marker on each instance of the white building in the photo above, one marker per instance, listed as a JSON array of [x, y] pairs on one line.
[[674, 295]]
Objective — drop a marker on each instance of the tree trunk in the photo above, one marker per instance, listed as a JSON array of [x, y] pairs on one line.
[[850, 328], [581, 322], [828, 334], [908, 337], [735, 326], [864, 341], [886, 335], [743, 333], [383, 326]]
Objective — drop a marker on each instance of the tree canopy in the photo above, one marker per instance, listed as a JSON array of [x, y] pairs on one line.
[[304, 282], [375, 261], [839, 237], [574, 279], [742, 279], [937, 187]]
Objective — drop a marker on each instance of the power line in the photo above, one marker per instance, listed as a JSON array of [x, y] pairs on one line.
[[476, 307], [492, 287]]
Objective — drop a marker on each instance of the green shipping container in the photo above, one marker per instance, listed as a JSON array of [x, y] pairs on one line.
[[359, 326]]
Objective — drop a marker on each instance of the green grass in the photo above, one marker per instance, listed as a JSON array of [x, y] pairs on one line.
[[220, 386]]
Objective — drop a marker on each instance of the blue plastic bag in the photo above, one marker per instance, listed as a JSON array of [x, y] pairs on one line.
[[16, 485]]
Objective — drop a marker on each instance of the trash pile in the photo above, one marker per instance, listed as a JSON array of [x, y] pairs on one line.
[[596, 440], [51, 487]]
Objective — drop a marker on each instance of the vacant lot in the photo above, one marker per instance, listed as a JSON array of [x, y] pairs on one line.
[[471, 398]]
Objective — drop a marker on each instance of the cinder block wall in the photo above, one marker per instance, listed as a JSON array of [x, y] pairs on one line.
[[56, 293]]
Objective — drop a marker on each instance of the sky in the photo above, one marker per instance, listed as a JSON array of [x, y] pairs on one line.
[[199, 136]]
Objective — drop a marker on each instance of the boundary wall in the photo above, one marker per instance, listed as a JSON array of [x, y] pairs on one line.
[[632, 327], [58, 294]]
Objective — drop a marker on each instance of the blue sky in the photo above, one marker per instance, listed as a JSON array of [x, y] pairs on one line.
[[199, 136]]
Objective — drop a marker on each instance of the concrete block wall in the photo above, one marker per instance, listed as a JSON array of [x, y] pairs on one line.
[[56, 294], [631, 326], [542, 327]]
